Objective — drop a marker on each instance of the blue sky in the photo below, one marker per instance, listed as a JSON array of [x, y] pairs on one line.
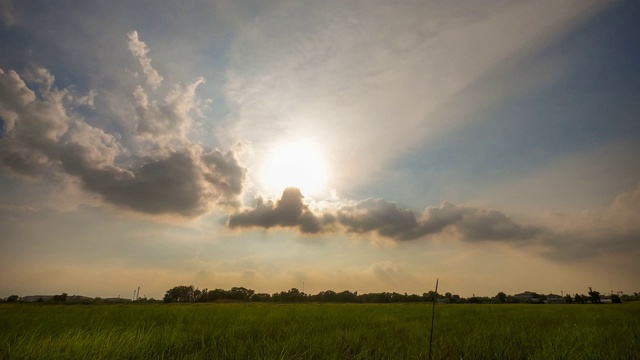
[[491, 144]]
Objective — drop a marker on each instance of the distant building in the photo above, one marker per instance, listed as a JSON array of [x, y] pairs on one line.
[[36, 298], [554, 299], [78, 298], [116, 300], [526, 296]]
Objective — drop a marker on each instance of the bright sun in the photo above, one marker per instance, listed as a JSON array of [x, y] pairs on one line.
[[298, 164]]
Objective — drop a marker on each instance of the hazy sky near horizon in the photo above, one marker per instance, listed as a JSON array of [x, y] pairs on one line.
[[492, 144]]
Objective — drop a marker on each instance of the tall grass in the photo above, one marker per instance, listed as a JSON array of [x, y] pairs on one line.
[[319, 331]]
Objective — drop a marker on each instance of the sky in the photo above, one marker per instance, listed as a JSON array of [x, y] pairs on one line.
[[367, 146]]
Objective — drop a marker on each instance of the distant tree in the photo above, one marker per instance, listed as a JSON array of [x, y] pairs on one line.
[[502, 297], [261, 297], [180, 294], [201, 295], [325, 296], [13, 299], [240, 293], [346, 296], [217, 294], [449, 297], [430, 296], [293, 295], [568, 299], [615, 299], [594, 296]]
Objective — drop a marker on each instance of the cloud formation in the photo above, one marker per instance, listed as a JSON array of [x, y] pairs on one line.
[[32, 127], [385, 219], [289, 211], [389, 78], [140, 51], [169, 118], [160, 172], [615, 229]]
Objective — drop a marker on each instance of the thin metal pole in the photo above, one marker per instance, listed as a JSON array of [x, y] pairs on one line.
[[433, 316]]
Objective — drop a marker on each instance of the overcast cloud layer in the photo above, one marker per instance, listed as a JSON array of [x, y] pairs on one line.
[[457, 136]]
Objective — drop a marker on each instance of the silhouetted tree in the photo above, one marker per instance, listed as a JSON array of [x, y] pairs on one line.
[[180, 294], [502, 297], [594, 296], [293, 295], [13, 299], [262, 297], [346, 296], [240, 293], [449, 297], [430, 296], [217, 294]]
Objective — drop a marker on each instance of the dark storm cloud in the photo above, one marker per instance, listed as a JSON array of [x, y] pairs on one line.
[[289, 211], [385, 219], [41, 133], [183, 182], [468, 223], [168, 185], [615, 229]]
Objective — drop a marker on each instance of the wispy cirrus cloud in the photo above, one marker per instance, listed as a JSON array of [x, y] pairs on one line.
[[140, 51], [390, 78]]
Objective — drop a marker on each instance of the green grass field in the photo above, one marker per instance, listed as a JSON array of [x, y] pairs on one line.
[[318, 331]]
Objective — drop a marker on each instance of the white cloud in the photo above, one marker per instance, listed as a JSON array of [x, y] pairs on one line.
[[170, 118], [180, 177], [140, 51]]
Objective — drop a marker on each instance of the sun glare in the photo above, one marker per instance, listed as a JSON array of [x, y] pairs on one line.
[[298, 164]]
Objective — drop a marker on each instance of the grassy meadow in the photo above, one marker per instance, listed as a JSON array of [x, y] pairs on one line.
[[318, 331]]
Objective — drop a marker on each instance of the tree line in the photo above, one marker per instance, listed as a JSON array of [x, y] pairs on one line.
[[240, 294], [191, 294]]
